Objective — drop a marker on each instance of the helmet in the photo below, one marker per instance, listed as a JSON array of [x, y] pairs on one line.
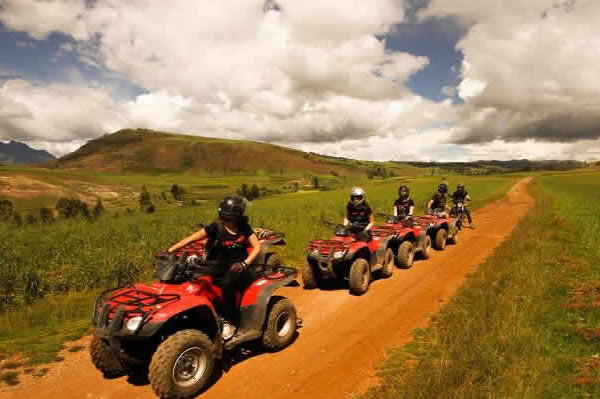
[[403, 192], [460, 187], [357, 195], [231, 208], [443, 188]]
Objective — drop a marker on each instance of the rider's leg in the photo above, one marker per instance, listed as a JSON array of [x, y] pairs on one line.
[[232, 283], [468, 213]]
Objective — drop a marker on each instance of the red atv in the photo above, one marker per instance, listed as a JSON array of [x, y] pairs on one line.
[[345, 256], [172, 329], [442, 229], [407, 238]]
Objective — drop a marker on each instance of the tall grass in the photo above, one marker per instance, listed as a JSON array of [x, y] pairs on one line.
[[525, 325]]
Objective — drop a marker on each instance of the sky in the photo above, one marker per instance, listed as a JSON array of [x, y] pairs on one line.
[[445, 80]]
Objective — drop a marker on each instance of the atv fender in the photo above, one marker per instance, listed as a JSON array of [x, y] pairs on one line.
[[378, 250], [420, 240], [265, 249], [189, 312], [255, 303]]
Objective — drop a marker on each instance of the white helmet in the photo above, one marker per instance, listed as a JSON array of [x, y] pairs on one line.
[[357, 195]]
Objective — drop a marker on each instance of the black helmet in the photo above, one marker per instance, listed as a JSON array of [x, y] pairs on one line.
[[460, 187], [443, 188], [232, 208], [403, 192]]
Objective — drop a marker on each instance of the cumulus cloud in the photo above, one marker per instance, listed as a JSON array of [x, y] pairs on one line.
[[529, 71], [280, 70]]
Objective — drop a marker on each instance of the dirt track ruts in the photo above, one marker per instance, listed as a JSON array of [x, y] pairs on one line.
[[343, 338]]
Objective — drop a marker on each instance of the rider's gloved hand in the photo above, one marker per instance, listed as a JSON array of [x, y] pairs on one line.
[[239, 266]]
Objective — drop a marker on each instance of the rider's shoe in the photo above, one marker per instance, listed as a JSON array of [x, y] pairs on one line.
[[229, 330]]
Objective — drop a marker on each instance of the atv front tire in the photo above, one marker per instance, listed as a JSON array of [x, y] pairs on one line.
[[104, 360], [441, 236], [182, 365], [360, 277], [426, 249], [387, 268], [454, 239], [280, 326], [309, 278], [406, 255]]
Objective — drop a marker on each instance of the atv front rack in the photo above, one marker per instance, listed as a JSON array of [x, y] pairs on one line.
[[129, 303]]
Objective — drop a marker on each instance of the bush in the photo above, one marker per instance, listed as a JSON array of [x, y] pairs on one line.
[[315, 182], [69, 208], [98, 209], [30, 219], [145, 199], [177, 192], [17, 219], [6, 210], [46, 216]]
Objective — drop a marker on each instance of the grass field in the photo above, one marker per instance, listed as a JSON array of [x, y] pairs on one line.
[[527, 323], [50, 273]]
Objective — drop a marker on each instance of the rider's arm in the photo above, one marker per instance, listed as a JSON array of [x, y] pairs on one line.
[[199, 235], [429, 204], [467, 198], [346, 221], [395, 211], [371, 222], [411, 210], [256, 248]]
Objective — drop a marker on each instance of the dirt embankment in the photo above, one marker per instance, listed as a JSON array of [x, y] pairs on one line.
[[343, 338]]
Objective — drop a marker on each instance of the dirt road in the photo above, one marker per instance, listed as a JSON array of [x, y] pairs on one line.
[[343, 338]]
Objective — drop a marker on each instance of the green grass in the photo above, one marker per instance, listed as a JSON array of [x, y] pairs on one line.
[[43, 267], [525, 325]]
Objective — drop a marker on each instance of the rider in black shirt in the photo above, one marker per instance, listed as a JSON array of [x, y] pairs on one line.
[[461, 195], [404, 205], [228, 240], [438, 201], [359, 213]]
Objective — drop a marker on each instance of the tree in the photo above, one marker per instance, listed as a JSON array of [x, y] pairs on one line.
[[46, 216], [254, 193], [163, 196], [315, 182], [178, 192], [145, 199], [6, 210], [17, 219], [98, 209]]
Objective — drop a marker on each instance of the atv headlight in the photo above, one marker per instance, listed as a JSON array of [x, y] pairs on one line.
[[134, 323], [339, 254]]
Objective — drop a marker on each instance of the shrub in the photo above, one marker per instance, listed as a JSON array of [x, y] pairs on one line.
[[6, 210], [69, 208], [46, 216], [177, 192], [145, 199], [98, 209], [17, 219]]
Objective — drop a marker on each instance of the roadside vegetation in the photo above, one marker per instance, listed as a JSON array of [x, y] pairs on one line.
[[50, 272], [527, 322]]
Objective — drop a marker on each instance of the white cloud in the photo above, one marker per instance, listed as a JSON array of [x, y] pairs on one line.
[[313, 72], [530, 69]]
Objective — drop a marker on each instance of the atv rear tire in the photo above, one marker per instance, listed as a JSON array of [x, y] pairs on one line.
[[182, 365], [104, 360], [426, 249], [309, 277], [360, 277], [387, 269], [441, 236], [406, 255], [280, 325]]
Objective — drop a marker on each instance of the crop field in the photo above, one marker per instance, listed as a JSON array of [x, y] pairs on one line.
[[49, 274], [526, 324]]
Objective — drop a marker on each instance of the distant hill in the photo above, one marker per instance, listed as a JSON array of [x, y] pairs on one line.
[[14, 152], [146, 151], [493, 166]]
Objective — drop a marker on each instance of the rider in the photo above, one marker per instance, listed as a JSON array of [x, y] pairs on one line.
[[438, 201], [228, 238], [461, 195], [359, 213], [404, 205]]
